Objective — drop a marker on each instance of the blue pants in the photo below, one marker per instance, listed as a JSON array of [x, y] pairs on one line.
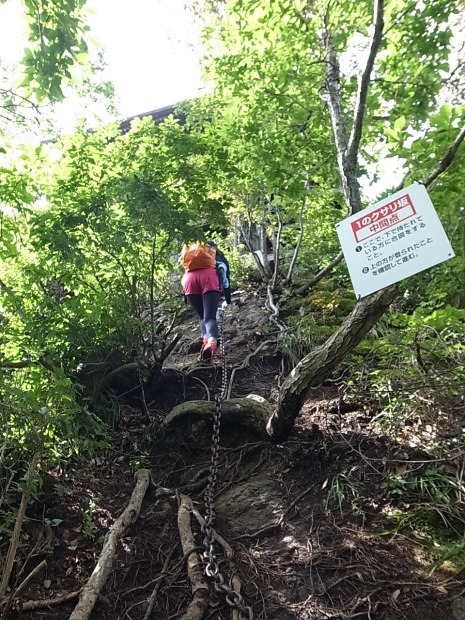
[[206, 306]]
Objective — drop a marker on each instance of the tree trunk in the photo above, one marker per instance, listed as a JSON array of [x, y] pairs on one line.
[[276, 250], [255, 415], [245, 232], [264, 250], [317, 365], [288, 279]]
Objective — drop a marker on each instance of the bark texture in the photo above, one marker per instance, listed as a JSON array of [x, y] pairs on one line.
[[317, 365]]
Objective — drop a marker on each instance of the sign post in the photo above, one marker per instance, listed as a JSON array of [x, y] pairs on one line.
[[393, 239]]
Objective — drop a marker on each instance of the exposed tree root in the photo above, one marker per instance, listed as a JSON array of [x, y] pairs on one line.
[[158, 583], [248, 413], [90, 592], [245, 363], [201, 521], [235, 582], [200, 590]]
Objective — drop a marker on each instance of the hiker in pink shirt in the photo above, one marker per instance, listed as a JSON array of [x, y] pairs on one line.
[[206, 277]]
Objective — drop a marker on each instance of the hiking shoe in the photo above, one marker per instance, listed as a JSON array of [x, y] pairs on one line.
[[209, 350], [200, 355]]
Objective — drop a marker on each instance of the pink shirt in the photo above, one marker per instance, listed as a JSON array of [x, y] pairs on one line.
[[200, 281]]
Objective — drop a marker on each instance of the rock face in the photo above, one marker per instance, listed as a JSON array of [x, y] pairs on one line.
[[249, 506]]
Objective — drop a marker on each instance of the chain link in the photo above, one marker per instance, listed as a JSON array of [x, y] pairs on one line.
[[233, 599]]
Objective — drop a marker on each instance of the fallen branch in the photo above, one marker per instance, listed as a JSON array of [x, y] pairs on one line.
[[166, 351], [198, 606], [49, 602], [320, 275], [153, 596], [14, 542], [90, 592], [7, 603], [32, 575]]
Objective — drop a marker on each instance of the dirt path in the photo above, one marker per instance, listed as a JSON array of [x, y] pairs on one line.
[[309, 522]]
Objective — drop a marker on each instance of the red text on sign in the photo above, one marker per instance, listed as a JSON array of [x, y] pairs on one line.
[[382, 218]]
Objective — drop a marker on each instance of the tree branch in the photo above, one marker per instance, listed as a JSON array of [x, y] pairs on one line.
[[364, 80], [17, 365], [447, 159], [442, 166], [333, 90], [347, 149], [348, 173], [299, 240]]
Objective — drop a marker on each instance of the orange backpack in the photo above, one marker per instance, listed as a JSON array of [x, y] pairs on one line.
[[198, 256]]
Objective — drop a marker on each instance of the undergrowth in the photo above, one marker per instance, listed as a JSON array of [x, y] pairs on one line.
[[409, 374], [412, 371]]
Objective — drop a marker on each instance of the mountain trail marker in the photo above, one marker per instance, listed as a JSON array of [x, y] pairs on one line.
[[393, 239]]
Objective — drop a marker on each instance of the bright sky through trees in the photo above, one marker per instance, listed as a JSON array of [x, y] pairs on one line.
[[150, 50], [149, 45]]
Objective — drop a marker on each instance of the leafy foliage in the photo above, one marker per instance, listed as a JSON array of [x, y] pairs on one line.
[[56, 41], [268, 119], [91, 225], [415, 372]]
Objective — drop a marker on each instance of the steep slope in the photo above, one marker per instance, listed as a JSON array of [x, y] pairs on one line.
[[307, 529]]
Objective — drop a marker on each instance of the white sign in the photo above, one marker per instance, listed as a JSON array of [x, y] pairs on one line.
[[392, 240]]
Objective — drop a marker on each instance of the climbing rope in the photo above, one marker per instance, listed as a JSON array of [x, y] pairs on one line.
[[233, 598]]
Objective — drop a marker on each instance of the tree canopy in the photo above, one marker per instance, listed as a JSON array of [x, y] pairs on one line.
[[316, 110], [309, 100]]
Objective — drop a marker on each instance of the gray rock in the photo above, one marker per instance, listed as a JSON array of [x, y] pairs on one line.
[[249, 506]]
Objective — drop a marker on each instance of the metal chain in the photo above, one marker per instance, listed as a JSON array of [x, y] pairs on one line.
[[234, 599]]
